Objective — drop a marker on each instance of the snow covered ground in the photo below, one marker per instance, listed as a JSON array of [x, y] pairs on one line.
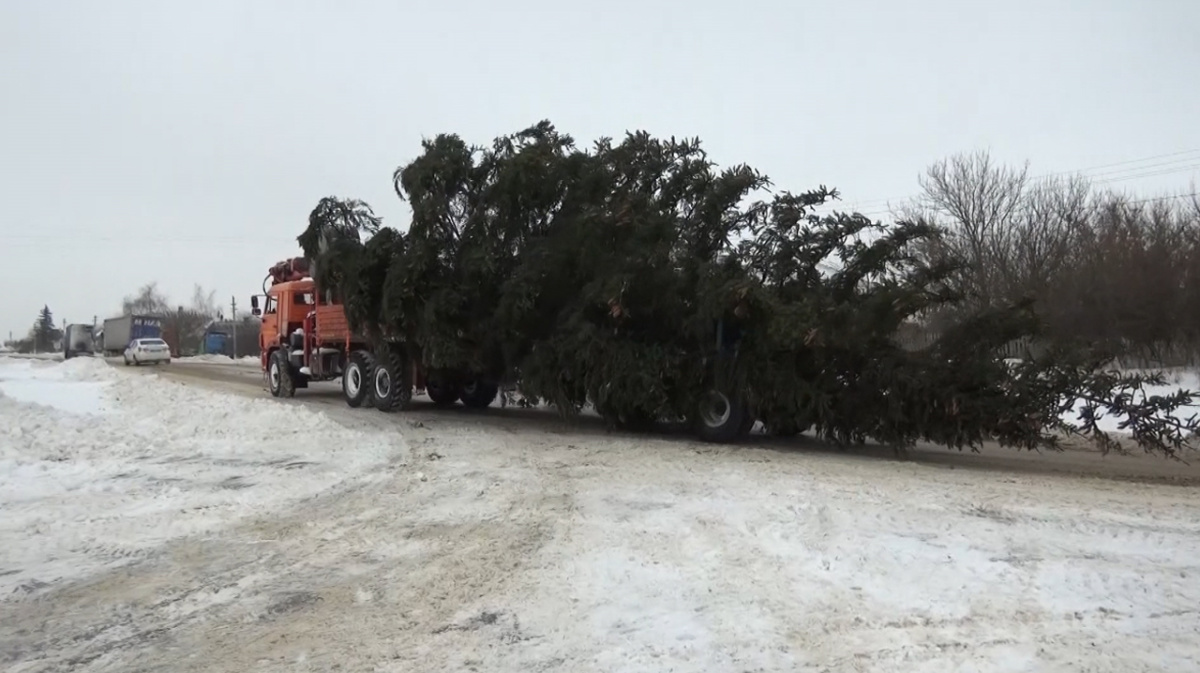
[[1175, 379], [209, 358], [97, 467], [148, 525]]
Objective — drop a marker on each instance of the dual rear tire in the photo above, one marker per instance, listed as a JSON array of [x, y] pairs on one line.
[[391, 381], [444, 391], [382, 380], [722, 418], [479, 394], [357, 384]]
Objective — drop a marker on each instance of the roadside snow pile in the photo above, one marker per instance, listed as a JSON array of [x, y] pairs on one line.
[[98, 467], [74, 386], [214, 359]]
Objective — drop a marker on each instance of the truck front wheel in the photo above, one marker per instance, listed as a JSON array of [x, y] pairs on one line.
[[279, 375]]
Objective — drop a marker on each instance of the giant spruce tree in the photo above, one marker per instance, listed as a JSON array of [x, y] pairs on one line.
[[636, 275]]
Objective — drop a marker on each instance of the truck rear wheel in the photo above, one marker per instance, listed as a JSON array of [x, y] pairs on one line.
[[391, 382], [279, 375], [787, 428], [443, 393], [357, 379], [479, 394], [722, 418]]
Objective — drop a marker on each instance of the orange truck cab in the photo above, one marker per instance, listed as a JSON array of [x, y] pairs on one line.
[[304, 335]]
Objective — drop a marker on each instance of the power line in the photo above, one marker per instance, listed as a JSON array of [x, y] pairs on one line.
[[876, 210], [1120, 178], [1138, 169], [1134, 161], [1193, 195], [1151, 199], [872, 204]]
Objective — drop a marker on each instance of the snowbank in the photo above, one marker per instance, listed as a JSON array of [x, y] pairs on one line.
[[210, 358], [99, 466], [74, 386]]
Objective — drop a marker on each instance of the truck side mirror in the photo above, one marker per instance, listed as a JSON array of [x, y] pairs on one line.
[[254, 302], [255, 312]]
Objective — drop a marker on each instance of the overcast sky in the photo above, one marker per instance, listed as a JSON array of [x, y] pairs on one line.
[[186, 142]]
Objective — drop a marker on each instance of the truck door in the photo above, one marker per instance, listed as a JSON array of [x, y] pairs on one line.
[[269, 334]]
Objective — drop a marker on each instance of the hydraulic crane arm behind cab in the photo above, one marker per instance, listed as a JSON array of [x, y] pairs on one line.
[[288, 270]]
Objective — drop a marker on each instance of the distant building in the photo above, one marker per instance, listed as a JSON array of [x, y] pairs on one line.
[[218, 338]]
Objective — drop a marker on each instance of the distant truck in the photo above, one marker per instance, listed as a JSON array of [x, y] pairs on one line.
[[78, 340], [118, 332]]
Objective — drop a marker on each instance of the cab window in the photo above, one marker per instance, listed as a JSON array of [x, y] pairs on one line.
[[272, 305]]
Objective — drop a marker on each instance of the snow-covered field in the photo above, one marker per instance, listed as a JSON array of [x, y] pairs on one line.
[[148, 525], [98, 467]]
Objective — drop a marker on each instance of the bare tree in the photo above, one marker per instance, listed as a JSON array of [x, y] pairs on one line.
[[1101, 266], [1042, 238], [976, 201], [148, 300], [205, 303]]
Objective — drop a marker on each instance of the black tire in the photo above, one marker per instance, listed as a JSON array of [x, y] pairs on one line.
[[787, 428], [722, 418], [391, 382], [279, 375], [356, 380], [443, 393], [479, 394], [636, 421]]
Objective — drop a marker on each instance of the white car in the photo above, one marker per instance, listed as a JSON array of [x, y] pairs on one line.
[[147, 351]]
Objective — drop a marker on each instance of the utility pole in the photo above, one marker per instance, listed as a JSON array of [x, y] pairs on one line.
[[233, 319]]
